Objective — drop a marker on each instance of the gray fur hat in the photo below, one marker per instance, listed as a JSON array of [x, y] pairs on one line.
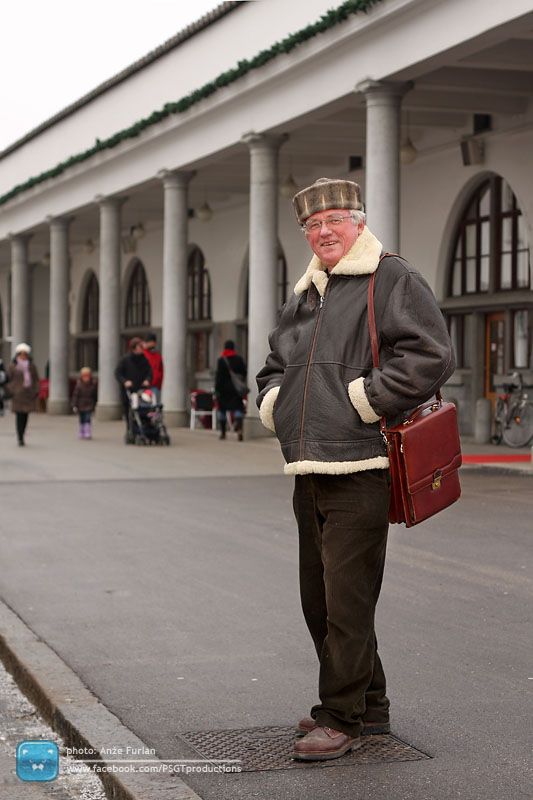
[[326, 193]]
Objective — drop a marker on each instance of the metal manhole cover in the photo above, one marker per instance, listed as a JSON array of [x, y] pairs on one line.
[[255, 749]]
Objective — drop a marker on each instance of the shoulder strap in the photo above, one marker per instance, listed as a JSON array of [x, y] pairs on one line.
[[373, 333], [227, 364], [371, 314]]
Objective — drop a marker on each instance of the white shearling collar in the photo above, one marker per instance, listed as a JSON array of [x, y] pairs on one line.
[[361, 259]]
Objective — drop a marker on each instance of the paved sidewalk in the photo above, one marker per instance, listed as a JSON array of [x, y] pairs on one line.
[[53, 452], [496, 457]]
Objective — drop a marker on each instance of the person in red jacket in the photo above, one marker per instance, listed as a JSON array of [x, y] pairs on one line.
[[156, 362]]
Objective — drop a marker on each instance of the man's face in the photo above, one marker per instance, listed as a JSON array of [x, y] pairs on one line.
[[149, 344], [331, 242]]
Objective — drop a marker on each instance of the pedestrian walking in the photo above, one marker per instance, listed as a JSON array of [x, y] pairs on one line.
[[84, 402], [133, 371], [23, 386], [229, 399], [156, 362], [319, 392]]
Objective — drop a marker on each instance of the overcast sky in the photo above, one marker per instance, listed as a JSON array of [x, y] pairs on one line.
[[54, 51]]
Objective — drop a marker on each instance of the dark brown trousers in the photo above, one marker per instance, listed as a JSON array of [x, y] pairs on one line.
[[343, 524]]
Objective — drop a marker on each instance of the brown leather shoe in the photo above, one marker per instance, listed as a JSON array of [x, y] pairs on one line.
[[370, 728], [323, 743]]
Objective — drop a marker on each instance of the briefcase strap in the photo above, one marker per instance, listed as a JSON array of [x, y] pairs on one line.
[[374, 342]]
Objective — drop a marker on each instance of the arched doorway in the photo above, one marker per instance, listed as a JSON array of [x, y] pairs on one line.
[[137, 310], [199, 320], [489, 303], [87, 345]]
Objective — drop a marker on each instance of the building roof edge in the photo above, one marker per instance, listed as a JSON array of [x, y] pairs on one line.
[[182, 36]]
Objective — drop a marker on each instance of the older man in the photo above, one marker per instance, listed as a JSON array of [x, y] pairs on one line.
[[319, 392]]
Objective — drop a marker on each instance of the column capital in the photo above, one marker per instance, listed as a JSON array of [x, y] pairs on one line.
[[59, 222], [393, 90], [109, 201], [175, 177], [264, 141], [19, 237]]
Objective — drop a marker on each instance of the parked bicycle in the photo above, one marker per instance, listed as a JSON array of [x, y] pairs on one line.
[[513, 415]]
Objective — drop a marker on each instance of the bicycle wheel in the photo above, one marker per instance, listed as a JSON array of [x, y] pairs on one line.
[[519, 431]]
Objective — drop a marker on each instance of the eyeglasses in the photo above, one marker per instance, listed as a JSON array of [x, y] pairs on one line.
[[331, 222]]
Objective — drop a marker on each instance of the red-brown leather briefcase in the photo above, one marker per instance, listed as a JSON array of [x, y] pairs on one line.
[[424, 458], [424, 452]]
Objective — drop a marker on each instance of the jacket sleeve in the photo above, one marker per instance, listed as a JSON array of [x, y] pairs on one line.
[[157, 370], [281, 342], [74, 398], [416, 354]]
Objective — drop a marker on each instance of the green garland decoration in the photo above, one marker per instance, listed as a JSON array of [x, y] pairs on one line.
[[326, 21]]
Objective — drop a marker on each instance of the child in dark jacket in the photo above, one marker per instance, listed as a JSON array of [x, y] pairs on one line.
[[84, 401]]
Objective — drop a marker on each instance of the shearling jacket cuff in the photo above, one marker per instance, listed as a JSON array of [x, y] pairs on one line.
[[266, 409], [356, 390]]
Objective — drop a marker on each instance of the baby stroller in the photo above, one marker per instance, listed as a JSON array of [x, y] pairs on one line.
[[145, 419]]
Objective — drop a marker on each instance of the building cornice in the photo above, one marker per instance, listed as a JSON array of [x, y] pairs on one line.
[[187, 33], [327, 21]]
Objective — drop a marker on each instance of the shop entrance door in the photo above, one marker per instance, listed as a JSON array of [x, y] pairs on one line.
[[494, 352]]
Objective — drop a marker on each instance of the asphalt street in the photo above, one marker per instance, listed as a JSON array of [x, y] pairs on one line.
[[175, 600]]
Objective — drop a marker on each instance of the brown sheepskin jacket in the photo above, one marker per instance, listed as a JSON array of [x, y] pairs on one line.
[[318, 389]]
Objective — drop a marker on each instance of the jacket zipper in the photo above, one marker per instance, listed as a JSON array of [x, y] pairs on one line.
[[313, 343]]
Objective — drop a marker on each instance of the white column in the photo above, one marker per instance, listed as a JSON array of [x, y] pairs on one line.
[[174, 337], [20, 291], [109, 406], [58, 402], [263, 274], [382, 168]]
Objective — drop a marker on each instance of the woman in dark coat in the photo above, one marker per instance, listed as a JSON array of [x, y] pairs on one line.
[[228, 398], [23, 385]]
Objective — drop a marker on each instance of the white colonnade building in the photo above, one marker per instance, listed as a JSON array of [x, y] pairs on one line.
[[161, 200]]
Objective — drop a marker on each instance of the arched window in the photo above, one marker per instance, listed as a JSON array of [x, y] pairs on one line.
[[138, 298], [198, 313], [91, 305], [199, 287], [491, 250], [87, 345], [489, 286]]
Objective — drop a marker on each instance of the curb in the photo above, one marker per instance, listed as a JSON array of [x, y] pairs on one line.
[[498, 469], [76, 714]]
